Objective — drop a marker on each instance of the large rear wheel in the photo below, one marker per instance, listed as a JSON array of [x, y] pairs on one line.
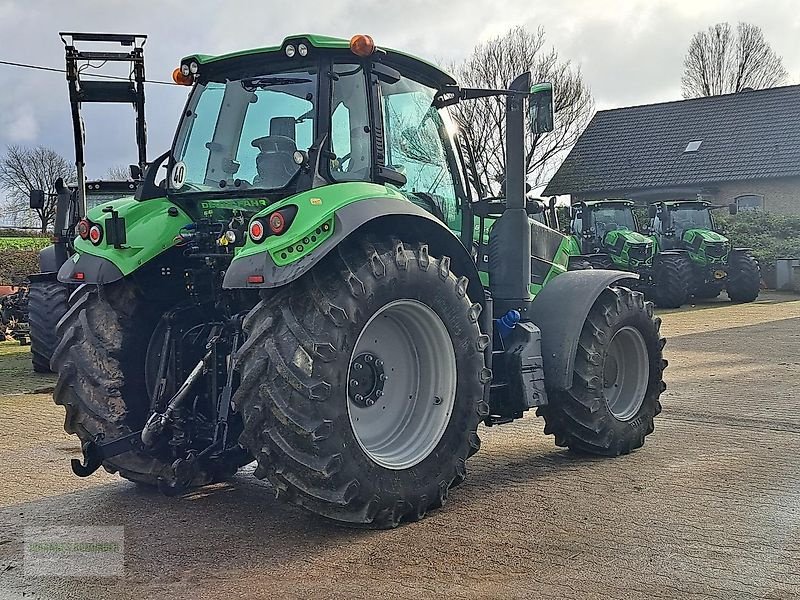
[[362, 384], [617, 381]]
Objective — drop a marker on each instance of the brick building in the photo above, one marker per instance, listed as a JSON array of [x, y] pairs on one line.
[[742, 148]]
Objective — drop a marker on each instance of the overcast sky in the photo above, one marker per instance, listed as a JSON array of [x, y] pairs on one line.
[[630, 51]]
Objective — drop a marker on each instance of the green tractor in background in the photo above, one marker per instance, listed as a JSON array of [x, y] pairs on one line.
[[48, 297], [713, 265], [314, 286], [608, 235]]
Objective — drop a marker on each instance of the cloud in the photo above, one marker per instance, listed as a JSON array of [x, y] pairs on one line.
[[630, 51]]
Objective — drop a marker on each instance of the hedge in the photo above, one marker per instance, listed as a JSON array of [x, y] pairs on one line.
[[16, 265]]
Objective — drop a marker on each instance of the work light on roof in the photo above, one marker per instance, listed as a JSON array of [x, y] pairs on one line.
[[302, 49], [185, 70], [194, 68], [290, 51]]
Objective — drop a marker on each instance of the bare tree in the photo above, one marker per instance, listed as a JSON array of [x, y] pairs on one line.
[[118, 173], [720, 61], [24, 169], [495, 64]]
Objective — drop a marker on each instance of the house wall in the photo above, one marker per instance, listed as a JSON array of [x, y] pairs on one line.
[[780, 195]]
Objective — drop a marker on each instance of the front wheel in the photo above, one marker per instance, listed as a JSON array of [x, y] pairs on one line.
[[672, 281], [744, 278], [362, 384], [617, 381]]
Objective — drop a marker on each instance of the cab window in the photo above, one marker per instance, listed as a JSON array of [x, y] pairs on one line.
[[419, 146], [350, 131]]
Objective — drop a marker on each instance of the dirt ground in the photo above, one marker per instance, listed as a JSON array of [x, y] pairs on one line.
[[709, 508]]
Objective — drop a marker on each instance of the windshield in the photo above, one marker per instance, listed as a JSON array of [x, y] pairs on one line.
[[611, 218], [687, 217], [242, 133]]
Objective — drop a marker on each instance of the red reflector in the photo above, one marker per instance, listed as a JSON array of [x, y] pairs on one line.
[[256, 231], [277, 223], [79, 276], [95, 234], [255, 279]]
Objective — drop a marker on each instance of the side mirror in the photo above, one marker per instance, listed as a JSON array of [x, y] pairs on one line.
[[135, 171], [37, 199], [732, 208], [540, 108], [652, 211]]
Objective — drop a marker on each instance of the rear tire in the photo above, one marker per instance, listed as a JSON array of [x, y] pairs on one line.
[[617, 381], [744, 278], [47, 303], [672, 281], [100, 363], [301, 416]]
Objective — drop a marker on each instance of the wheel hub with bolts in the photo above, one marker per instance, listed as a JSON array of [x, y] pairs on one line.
[[367, 378]]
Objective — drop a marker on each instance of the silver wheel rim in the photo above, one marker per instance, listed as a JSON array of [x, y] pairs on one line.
[[625, 373], [401, 384]]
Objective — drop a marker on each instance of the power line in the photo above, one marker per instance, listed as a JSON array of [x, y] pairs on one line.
[[55, 70]]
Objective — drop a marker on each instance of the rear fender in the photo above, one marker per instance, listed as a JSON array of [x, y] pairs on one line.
[[384, 216], [560, 311]]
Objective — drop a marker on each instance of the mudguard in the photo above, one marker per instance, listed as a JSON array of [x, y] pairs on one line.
[[390, 216], [559, 311], [48, 262]]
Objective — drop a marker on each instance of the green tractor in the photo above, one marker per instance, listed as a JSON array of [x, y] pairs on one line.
[[312, 286], [48, 297], [609, 237], [687, 226]]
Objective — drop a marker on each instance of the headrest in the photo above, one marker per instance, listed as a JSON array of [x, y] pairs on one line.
[[284, 126]]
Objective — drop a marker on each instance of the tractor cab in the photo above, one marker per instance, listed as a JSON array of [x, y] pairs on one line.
[[610, 227], [688, 225], [262, 125]]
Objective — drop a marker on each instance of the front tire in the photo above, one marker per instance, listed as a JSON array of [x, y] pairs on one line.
[[47, 303], [744, 278], [617, 381], [672, 281], [323, 436]]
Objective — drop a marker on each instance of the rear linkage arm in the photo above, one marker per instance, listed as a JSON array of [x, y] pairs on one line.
[[94, 452]]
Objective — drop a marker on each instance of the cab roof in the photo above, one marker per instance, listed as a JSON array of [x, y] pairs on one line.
[[609, 201], [400, 60]]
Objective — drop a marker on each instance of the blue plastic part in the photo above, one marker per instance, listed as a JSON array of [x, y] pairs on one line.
[[507, 322]]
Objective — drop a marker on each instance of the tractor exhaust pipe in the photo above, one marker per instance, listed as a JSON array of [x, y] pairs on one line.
[[510, 238]]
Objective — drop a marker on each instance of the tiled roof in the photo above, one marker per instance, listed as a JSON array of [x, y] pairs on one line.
[[749, 135]]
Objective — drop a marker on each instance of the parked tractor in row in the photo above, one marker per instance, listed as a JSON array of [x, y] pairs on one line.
[[314, 286], [677, 255]]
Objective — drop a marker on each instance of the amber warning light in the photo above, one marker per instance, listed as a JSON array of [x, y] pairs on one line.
[[362, 45]]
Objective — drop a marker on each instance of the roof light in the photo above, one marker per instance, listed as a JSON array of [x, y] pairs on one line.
[[290, 51], [181, 79], [362, 45], [693, 146], [193, 68], [302, 49]]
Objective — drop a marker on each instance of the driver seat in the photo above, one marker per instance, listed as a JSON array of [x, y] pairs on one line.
[[275, 164]]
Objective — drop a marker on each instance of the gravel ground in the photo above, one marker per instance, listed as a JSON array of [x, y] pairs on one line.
[[709, 508]]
